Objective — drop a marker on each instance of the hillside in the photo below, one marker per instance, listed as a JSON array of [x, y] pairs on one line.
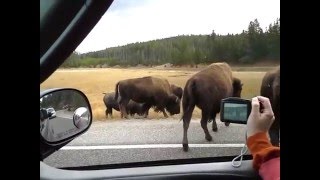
[[251, 46]]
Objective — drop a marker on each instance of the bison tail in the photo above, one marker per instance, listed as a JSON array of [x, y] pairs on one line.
[[116, 91], [188, 98]]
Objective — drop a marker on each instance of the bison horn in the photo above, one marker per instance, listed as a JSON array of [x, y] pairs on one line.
[[177, 100]]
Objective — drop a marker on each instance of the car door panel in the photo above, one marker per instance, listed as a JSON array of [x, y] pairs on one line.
[[218, 170]]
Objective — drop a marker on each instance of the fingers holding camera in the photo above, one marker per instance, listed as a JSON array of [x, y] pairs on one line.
[[267, 111], [266, 105], [255, 105], [260, 118]]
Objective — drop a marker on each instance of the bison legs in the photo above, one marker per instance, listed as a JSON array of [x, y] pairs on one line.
[[214, 123], [186, 121], [122, 106], [204, 121], [146, 114], [164, 113], [106, 113], [145, 109], [109, 111], [123, 111], [162, 109]]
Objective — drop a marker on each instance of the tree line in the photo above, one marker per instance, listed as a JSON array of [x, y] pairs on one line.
[[250, 46], [59, 99]]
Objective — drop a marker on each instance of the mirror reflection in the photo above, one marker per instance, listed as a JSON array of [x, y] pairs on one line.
[[63, 113]]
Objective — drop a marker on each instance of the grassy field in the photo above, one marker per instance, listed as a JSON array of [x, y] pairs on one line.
[[93, 82]]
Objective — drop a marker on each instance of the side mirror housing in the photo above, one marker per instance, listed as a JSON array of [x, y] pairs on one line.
[[65, 113]]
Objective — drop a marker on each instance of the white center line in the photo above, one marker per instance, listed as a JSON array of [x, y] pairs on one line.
[[147, 146]]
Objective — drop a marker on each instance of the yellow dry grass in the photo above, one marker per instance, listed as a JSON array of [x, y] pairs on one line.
[[93, 82]]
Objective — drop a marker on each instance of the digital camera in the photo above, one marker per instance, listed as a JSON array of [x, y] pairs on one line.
[[235, 110]]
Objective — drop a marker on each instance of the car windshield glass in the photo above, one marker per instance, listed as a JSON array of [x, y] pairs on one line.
[[165, 43]]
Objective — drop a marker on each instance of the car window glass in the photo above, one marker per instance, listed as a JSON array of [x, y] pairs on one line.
[[169, 41]]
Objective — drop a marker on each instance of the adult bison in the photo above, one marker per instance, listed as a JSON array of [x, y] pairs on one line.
[[152, 91], [205, 90], [178, 91], [270, 88], [132, 107]]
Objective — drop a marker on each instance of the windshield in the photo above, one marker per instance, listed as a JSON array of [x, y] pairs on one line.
[[170, 40], [50, 109]]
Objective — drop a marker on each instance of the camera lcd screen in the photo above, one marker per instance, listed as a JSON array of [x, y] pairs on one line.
[[235, 112]]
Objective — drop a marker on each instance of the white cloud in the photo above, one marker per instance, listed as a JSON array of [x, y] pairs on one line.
[[126, 22]]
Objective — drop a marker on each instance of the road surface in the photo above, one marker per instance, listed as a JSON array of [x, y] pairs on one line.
[[137, 140], [59, 127]]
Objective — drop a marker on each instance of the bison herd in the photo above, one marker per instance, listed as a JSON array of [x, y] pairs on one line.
[[204, 89]]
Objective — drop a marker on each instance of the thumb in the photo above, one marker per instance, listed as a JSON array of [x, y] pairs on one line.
[[255, 105]]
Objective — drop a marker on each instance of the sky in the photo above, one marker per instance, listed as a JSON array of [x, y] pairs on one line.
[[130, 21]]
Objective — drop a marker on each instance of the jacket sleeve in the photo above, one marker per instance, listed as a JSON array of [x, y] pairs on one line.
[[270, 169], [266, 158]]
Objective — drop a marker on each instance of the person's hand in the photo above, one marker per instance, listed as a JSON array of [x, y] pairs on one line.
[[261, 118]]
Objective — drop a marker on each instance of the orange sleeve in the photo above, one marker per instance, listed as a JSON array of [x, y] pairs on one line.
[[261, 149]]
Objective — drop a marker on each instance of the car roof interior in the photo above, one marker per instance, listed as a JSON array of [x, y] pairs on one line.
[[63, 26]]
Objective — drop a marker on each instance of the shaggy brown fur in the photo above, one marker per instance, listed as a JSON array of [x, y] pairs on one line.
[[205, 90]]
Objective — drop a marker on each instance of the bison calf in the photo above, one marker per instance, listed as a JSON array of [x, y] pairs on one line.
[[132, 107], [137, 108], [110, 103]]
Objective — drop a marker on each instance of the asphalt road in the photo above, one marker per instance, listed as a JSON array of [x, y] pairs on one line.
[[137, 140], [62, 126]]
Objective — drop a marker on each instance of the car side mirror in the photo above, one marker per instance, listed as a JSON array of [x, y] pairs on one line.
[[64, 115], [81, 117]]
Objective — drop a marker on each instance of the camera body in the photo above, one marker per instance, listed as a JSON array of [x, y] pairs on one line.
[[235, 110]]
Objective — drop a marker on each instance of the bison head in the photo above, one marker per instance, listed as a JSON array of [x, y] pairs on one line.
[[237, 87], [178, 91], [173, 105]]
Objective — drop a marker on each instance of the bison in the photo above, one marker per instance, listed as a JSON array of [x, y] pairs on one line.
[[132, 107], [205, 90], [178, 91], [270, 88], [137, 108], [152, 91]]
